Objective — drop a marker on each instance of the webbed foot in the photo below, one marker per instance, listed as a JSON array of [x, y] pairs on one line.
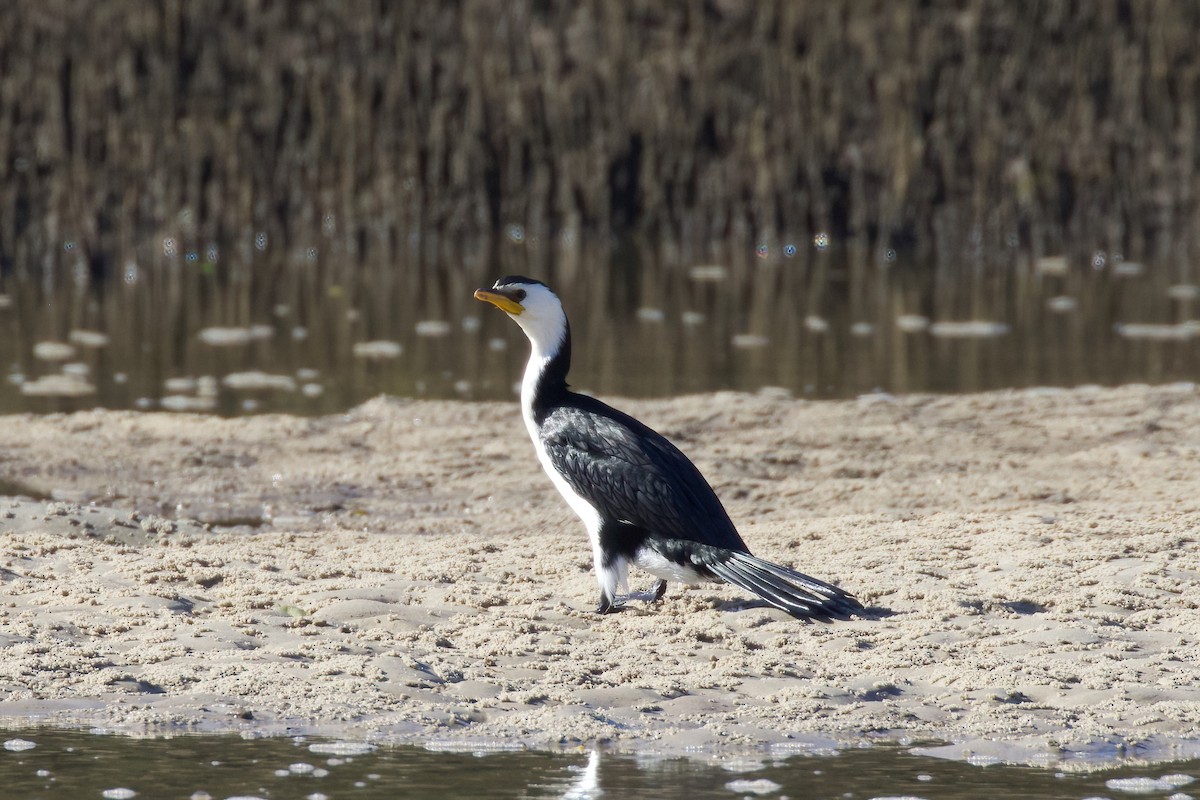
[[658, 590]]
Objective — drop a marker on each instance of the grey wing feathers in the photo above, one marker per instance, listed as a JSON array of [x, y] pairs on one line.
[[633, 474], [793, 592]]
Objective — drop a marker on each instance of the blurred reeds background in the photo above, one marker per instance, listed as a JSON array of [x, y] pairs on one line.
[[242, 161], [409, 133]]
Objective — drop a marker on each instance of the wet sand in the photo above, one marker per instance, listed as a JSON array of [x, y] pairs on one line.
[[405, 572]]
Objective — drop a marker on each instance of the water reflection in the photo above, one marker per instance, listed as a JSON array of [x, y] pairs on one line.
[[48, 763], [825, 323], [586, 786]]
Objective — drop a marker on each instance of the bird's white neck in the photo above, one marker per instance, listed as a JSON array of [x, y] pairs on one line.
[[534, 369], [545, 379]]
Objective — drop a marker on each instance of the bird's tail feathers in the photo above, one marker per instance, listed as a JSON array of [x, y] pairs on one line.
[[794, 592]]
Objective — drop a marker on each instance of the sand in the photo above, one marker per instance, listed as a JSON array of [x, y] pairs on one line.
[[405, 572]]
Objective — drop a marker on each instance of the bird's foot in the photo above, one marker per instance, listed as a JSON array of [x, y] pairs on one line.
[[609, 605], [658, 590]]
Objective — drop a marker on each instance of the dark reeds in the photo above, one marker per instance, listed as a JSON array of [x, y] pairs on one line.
[[418, 134]]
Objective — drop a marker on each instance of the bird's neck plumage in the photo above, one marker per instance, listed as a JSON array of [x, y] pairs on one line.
[[545, 381]]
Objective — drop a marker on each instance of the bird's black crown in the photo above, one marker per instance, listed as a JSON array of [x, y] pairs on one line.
[[508, 280]]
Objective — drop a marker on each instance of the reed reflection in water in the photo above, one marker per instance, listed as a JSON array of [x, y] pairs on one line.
[[52, 764], [812, 319]]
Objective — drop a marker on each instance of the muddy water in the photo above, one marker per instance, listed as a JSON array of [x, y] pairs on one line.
[[809, 320], [48, 763]]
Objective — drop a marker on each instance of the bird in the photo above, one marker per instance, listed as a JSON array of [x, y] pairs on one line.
[[642, 501]]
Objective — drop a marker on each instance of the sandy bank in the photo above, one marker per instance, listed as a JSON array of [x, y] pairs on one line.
[[406, 571]]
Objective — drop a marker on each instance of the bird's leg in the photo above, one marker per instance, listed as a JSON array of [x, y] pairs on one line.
[[612, 570], [606, 604], [658, 590]]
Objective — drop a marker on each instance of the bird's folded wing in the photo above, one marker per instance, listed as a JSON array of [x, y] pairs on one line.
[[632, 474]]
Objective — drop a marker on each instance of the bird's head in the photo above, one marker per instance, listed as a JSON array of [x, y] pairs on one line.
[[533, 306]]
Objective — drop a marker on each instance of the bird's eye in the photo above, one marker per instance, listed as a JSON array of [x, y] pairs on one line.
[[520, 295]]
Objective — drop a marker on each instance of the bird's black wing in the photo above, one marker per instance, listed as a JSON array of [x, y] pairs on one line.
[[633, 474]]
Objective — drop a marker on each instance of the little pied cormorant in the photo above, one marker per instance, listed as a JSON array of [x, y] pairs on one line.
[[642, 500]]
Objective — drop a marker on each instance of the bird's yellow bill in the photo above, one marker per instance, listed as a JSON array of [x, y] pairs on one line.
[[499, 301]]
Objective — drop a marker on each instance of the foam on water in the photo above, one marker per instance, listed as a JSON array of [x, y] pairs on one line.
[[377, 349], [762, 786], [341, 748], [1148, 785], [258, 380], [433, 327], [17, 745]]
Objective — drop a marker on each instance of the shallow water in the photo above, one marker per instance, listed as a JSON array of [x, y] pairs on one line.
[[74, 764], [817, 323]]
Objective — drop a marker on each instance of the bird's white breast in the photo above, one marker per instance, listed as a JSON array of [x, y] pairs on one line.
[[579, 504], [611, 574]]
